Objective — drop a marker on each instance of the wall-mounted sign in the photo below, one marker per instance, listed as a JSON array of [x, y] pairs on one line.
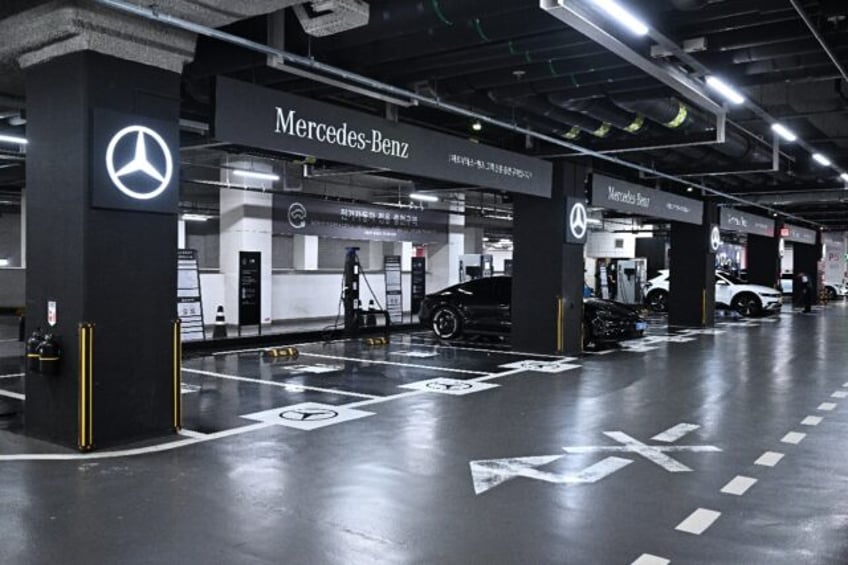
[[418, 283], [278, 121], [616, 194], [576, 220], [715, 238], [394, 288], [743, 222], [189, 304], [329, 218], [801, 235], [133, 164]]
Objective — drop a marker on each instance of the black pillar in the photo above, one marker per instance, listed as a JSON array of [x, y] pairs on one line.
[[763, 255], [546, 270], [805, 259], [103, 257], [691, 295]]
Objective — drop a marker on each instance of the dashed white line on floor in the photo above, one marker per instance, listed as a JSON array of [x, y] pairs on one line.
[[739, 485], [698, 521], [827, 406], [793, 437], [812, 421], [648, 559], [769, 459], [840, 394]]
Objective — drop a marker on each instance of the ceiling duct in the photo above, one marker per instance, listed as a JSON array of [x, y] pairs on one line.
[[329, 17]]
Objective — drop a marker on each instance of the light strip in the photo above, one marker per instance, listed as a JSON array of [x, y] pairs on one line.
[[424, 197], [13, 139], [623, 16], [255, 175], [844, 176], [727, 91], [784, 132], [821, 159], [195, 217]]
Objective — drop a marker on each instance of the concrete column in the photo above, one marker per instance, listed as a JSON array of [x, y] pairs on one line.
[[546, 269], [473, 240], [375, 256], [764, 260], [305, 254], [691, 295], [246, 225], [444, 259]]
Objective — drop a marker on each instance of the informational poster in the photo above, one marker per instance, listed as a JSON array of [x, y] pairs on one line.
[[394, 288], [189, 302], [250, 288], [419, 283]]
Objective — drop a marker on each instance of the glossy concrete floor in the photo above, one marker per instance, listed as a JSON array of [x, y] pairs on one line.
[[724, 447]]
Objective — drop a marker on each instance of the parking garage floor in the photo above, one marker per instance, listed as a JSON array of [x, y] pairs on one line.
[[715, 446]]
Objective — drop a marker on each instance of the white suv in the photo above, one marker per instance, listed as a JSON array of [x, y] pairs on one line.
[[747, 299], [834, 290]]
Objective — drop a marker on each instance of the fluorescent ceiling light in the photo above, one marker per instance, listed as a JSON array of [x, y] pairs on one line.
[[13, 139], [784, 132], [4, 262], [477, 126], [424, 197], [730, 93], [256, 175], [844, 176], [821, 159], [195, 217], [624, 17]]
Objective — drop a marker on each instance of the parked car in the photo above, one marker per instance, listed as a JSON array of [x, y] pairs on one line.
[[747, 299], [834, 290], [484, 306]]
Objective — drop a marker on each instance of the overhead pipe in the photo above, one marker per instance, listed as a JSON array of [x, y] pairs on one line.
[[602, 109], [159, 17], [598, 128], [819, 38]]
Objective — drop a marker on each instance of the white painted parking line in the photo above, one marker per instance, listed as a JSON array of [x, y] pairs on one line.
[[827, 406], [698, 522], [10, 394], [811, 421], [11, 376], [541, 366], [793, 437], [739, 485], [673, 434], [452, 387], [840, 394], [392, 363], [769, 459], [648, 559], [288, 387], [495, 350], [193, 434]]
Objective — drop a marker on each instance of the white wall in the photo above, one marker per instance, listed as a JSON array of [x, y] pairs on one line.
[[603, 244]]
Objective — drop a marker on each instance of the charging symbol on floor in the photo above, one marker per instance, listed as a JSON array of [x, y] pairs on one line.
[[490, 473]]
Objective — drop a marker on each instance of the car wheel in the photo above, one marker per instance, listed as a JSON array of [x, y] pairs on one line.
[[747, 304], [831, 294], [658, 300], [446, 323]]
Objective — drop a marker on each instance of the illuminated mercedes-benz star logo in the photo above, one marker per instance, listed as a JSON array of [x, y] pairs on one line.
[[297, 215], [311, 414], [715, 238], [577, 221], [125, 175]]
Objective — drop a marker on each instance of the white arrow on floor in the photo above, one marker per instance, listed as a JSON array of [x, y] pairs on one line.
[[489, 473]]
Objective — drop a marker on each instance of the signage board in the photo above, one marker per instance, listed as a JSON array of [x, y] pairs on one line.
[[418, 284], [250, 288], [576, 220], [295, 215], [743, 222], [189, 304], [135, 163], [624, 196], [798, 234], [394, 288], [279, 121]]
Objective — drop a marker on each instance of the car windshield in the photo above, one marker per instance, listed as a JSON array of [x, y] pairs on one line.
[[730, 278]]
